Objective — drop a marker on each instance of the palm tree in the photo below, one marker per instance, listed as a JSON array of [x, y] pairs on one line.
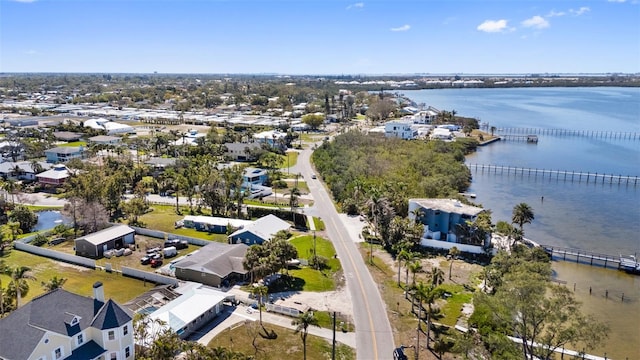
[[19, 276], [415, 267], [54, 283], [522, 214], [453, 252], [402, 255], [427, 294], [302, 323], [260, 292], [420, 292], [436, 276]]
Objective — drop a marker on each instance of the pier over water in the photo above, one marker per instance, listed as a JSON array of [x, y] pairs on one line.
[[599, 134], [560, 175]]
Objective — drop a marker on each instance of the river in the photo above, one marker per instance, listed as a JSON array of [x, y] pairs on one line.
[[596, 217]]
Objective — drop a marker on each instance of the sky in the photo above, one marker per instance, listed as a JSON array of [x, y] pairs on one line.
[[330, 37]]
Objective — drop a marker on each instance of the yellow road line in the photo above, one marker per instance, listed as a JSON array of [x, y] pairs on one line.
[[373, 333]]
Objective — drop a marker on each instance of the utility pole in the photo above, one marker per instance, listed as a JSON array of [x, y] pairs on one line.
[[333, 349], [315, 255]]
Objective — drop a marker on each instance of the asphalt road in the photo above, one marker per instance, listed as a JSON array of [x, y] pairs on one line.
[[374, 339]]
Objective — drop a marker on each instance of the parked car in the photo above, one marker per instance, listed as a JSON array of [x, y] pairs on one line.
[[156, 256], [145, 260], [153, 250], [156, 263], [313, 176], [178, 244]]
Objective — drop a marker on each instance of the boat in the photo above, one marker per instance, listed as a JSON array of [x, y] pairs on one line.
[[630, 264]]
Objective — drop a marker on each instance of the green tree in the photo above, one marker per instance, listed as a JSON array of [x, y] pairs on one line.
[[53, 283], [522, 214], [26, 218], [259, 292], [18, 287], [313, 120], [302, 324]]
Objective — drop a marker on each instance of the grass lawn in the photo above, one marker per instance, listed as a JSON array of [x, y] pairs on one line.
[[79, 279], [312, 280], [163, 218], [452, 308], [43, 208], [75, 143], [288, 344], [319, 224], [292, 157], [304, 245]]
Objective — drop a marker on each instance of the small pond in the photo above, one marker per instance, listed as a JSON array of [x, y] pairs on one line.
[[49, 219]]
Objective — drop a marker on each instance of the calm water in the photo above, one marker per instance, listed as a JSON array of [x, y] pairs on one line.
[[597, 217], [49, 219]]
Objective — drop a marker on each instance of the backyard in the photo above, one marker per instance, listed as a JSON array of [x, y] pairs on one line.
[[79, 279], [288, 344]]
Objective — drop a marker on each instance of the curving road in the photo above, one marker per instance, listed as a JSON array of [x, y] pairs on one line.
[[374, 338]]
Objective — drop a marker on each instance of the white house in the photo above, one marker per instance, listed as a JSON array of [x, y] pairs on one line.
[[64, 325], [400, 129], [196, 307]]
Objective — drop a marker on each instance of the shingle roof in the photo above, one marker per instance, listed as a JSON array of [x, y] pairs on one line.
[[110, 316], [90, 350], [65, 150], [25, 327], [265, 227], [216, 258]]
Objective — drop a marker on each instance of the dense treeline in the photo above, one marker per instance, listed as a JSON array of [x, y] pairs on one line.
[[355, 163]]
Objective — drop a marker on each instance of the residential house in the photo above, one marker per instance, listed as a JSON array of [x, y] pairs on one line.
[[400, 129], [216, 225], [259, 231], [255, 176], [109, 126], [425, 116], [94, 245], [238, 151], [22, 170], [159, 163], [272, 138], [441, 218], [64, 153], [67, 136], [55, 176], [441, 134], [64, 325], [215, 265], [196, 307], [105, 140]]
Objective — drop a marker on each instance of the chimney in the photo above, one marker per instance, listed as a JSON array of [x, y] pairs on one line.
[[98, 291]]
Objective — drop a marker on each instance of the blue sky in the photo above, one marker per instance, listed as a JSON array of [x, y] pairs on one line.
[[320, 37]]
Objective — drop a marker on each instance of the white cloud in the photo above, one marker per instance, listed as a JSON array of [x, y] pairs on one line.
[[493, 26], [536, 22], [358, 5], [401, 28], [554, 13], [580, 11]]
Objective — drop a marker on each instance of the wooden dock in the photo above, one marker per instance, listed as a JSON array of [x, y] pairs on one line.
[[615, 135], [528, 138], [582, 256], [560, 175]]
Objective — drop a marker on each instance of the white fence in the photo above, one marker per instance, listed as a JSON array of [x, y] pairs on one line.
[[57, 255], [164, 235], [148, 276], [283, 310]]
